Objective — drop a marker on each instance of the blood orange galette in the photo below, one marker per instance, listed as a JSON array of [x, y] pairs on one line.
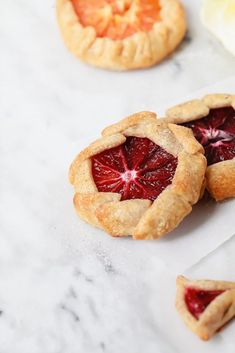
[[121, 34], [212, 121], [141, 178], [205, 306]]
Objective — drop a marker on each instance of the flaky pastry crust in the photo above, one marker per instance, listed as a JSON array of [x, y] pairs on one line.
[[220, 177], [143, 219], [218, 312], [143, 49]]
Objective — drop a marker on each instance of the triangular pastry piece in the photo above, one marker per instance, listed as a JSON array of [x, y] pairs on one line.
[[205, 305]]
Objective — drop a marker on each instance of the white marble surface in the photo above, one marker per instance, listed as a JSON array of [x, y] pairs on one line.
[[64, 286]]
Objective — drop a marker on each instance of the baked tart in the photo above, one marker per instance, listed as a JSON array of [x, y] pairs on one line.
[[140, 178], [212, 120], [121, 34], [205, 306]]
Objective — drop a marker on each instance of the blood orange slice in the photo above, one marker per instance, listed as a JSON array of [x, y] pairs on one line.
[[216, 132], [118, 19], [137, 169]]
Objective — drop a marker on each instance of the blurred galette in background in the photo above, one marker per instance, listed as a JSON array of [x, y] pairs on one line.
[[121, 34]]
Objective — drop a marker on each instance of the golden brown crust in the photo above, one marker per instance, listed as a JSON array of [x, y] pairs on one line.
[[188, 111], [121, 218], [220, 177], [218, 100], [198, 108], [87, 205], [190, 167], [96, 147], [216, 315], [143, 49], [165, 214], [82, 171], [130, 121], [160, 134], [187, 139], [140, 218], [221, 180]]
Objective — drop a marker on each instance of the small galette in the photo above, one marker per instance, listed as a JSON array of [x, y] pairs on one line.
[[212, 120], [205, 306], [140, 178], [121, 34]]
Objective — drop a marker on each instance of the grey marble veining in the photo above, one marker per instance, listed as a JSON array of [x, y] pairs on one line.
[[64, 287]]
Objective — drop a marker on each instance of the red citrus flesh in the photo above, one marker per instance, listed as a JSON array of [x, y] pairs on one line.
[[197, 300], [137, 169], [216, 132], [118, 19]]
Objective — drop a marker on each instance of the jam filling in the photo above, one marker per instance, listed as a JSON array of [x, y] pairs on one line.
[[197, 300], [137, 169], [118, 19], [216, 132]]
